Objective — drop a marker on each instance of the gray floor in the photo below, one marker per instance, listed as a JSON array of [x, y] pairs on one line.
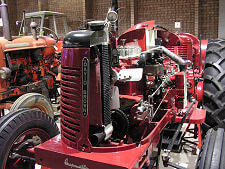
[[186, 158]]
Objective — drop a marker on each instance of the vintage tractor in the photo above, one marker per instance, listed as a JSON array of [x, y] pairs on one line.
[[44, 20], [56, 18], [29, 66], [116, 98]]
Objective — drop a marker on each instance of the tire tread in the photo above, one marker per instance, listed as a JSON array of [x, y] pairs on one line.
[[212, 152], [214, 82]]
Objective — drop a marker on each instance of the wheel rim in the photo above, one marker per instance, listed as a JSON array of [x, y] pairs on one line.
[[40, 107], [37, 135]]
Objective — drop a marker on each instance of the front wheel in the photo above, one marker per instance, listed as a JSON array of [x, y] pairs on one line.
[[34, 101], [20, 131], [212, 153]]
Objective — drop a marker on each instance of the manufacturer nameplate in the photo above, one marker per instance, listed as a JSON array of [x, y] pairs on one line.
[[85, 82]]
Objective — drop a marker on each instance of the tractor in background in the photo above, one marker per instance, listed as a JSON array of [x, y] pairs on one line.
[[45, 19], [117, 96], [28, 69]]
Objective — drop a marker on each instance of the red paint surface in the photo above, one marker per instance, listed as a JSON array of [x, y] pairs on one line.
[[124, 156]]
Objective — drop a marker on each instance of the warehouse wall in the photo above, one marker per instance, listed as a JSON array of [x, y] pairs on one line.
[[15, 9], [196, 16], [12, 10], [208, 18], [166, 13], [73, 9], [28, 6]]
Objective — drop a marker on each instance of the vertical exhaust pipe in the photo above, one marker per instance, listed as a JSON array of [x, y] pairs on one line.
[[114, 7], [5, 20]]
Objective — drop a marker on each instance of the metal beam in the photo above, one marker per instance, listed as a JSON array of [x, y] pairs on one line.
[[221, 26], [55, 26]]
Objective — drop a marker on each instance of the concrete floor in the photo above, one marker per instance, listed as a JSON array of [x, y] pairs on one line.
[[186, 158]]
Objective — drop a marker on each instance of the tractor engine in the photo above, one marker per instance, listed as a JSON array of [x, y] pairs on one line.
[[30, 65], [149, 83], [26, 61]]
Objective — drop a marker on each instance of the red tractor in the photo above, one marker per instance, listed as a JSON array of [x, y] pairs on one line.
[[116, 98], [28, 66]]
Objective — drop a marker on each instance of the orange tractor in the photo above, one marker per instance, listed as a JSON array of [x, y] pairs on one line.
[[28, 69]]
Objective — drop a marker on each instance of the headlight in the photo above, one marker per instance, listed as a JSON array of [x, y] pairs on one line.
[[112, 16], [5, 73]]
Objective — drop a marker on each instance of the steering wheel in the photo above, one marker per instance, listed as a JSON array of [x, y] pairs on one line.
[[56, 36]]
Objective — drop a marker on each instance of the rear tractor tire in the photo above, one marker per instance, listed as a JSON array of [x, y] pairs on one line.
[[212, 153], [214, 84], [21, 130], [34, 101]]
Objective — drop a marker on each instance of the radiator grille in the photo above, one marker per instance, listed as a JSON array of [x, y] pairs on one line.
[[70, 104], [182, 51]]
